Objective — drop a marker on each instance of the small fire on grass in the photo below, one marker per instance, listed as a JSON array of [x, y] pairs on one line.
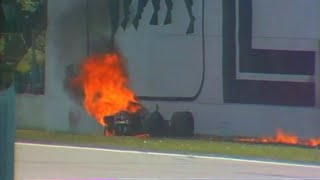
[[103, 80], [282, 137]]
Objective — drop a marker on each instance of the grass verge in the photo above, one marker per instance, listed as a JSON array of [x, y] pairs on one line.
[[198, 146]]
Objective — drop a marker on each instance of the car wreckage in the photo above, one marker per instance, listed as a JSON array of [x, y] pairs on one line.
[[125, 123]]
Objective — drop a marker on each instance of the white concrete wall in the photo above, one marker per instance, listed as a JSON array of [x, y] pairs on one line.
[[164, 61], [292, 25], [30, 111]]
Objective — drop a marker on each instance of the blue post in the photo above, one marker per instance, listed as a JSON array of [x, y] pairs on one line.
[[7, 133]]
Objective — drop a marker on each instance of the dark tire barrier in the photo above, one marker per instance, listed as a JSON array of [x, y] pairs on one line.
[[182, 124], [153, 124], [7, 133]]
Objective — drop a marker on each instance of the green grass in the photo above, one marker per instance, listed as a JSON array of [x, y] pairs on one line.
[[198, 146]]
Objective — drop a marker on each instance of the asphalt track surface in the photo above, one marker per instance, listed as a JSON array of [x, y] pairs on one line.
[[44, 162]]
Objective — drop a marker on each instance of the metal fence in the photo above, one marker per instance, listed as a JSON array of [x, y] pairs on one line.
[[7, 133]]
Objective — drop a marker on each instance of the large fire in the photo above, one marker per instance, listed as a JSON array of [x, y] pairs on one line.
[[284, 138], [104, 82]]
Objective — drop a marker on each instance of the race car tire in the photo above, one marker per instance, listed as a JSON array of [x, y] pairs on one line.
[[182, 124], [153, 124]]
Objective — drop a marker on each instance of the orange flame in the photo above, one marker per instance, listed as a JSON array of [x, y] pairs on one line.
[[104, 82], [284, 138]]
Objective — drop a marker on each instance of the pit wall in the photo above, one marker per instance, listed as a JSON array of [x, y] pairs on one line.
[[166, 63]]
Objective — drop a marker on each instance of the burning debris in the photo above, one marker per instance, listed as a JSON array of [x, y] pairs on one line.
[[104, 82], [283, 138]]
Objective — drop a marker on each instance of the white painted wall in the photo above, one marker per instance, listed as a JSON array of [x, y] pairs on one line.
[[289, 18], [158, 68], [30, 112], [164, 53], [292, 25], [164, 61]]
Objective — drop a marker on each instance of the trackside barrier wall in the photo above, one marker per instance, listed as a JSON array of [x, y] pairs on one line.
[[7, 133]]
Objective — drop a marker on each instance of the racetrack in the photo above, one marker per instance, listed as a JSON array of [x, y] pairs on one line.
[[35, 161]]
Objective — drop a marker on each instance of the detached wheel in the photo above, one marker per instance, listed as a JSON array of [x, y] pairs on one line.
[[182, 124], [153, 124]]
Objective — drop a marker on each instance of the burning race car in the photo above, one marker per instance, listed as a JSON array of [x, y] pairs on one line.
[[101, 84], [181, 124]]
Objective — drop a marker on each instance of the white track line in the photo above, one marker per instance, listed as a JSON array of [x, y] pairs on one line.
[[168, 154]]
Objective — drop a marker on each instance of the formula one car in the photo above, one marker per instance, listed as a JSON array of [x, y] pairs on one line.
[[128, 124]]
